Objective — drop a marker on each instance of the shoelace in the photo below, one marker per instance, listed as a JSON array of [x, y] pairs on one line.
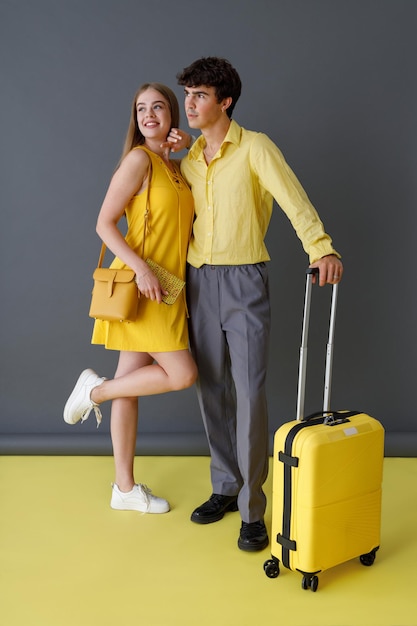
[[216, 499], [250, 530], [97, 412], [146, 492], [94, 406]]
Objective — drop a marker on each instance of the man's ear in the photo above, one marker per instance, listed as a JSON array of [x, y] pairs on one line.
[[226, 103]]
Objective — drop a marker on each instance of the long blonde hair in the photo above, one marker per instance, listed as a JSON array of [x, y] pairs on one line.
[[133, 136]]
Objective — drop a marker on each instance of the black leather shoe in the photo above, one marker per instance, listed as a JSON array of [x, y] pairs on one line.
[[214, 509], [253, 536]]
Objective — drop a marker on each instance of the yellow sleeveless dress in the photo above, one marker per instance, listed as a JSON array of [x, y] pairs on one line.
[[158, 327]]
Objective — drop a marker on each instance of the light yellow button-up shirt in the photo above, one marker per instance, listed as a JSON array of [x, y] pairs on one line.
[[233, 199]]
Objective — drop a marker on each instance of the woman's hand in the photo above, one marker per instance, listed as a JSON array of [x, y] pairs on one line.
[[177, 140], [148, 285]]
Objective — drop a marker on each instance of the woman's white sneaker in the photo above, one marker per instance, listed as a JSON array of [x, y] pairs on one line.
[[139, 499], [79, 405]]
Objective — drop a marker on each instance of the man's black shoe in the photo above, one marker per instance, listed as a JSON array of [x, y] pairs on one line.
[[253, 536], [214, 509]]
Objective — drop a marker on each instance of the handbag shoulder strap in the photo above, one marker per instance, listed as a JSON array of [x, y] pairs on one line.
[[102, 253], [146, 228]]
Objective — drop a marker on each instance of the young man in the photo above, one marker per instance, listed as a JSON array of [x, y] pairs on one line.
[[234, 175]]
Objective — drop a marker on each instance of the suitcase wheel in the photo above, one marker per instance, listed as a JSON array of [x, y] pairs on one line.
[[310, 582], [368, 559], [271, 568]]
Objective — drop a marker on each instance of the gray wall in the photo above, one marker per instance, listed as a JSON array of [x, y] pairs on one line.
[[332, 82]]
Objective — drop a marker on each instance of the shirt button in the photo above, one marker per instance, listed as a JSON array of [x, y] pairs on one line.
[[209, 208]]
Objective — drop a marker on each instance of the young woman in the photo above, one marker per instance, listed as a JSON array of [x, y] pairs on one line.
[[154, 356]]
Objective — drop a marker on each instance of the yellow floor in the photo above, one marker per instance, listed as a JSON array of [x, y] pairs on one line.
[[67, 559]]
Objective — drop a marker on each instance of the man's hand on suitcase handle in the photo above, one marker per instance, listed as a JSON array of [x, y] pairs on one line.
[[329, 268]]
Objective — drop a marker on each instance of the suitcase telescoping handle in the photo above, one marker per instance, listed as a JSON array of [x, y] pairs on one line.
[[302, 369]]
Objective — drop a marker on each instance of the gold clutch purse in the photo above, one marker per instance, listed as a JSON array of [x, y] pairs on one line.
[[169, 282]]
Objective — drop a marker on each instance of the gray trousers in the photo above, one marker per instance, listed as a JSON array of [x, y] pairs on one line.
[[229, 336]]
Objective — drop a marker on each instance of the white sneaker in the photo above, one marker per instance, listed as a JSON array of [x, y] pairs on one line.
[[139, 499], [79, 405]]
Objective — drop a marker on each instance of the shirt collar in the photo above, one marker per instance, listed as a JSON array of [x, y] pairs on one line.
[[232, 136]]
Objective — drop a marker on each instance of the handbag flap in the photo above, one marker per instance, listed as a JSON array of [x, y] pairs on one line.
[[106, 274]]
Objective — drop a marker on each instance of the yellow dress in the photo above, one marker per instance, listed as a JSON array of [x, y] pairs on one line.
[[158, 327]]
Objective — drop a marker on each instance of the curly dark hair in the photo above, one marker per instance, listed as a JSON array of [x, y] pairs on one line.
[[213, 72]]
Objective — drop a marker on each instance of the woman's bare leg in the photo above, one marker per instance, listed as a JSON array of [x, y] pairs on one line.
[[171, 372], [138, 374], [124, 422]]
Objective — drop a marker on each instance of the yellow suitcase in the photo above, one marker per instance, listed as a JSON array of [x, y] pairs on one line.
[[327, 477]]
